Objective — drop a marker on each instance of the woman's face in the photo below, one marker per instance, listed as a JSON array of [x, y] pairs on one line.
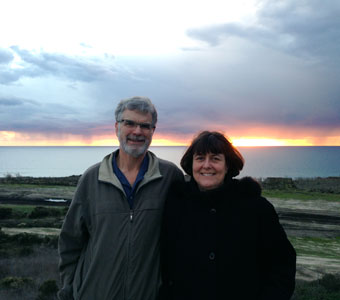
[[209, 170]]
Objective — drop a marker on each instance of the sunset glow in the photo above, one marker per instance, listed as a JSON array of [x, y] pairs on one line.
[[255, 142], [9, 138], [251, 142]]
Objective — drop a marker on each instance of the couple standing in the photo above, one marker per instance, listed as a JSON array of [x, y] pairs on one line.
[[136, 231]]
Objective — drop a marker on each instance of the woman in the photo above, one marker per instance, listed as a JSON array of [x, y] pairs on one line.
[[220, 238]]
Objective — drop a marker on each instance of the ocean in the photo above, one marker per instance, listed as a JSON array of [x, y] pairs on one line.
[[260, 162]]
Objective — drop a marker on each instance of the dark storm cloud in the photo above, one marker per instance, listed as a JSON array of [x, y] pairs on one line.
[[256, 104], [290, 71], [18, 114], [308, 29], [195, 119], [206, 89], [38, 64], [51, 119]]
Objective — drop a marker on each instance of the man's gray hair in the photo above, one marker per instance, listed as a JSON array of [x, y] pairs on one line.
[[140, 104]]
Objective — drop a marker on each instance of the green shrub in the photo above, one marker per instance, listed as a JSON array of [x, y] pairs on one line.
[[8, 175], [333, 296], [309, 292], [39, 212], [5, 212], [26, 239], [331, 282], [48, 290], [51, 241], [326, 288], [23, 244], [19, 214], [16, 282], [26, 250], [64, 211], [43, 212], [3, 237]]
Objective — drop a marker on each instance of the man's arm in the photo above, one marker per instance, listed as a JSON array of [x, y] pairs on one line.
[[72, 240]]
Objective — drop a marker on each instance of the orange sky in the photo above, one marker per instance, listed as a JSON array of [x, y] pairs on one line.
[[265, 137]]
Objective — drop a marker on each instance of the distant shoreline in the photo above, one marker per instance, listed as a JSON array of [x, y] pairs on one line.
[[63, 181]]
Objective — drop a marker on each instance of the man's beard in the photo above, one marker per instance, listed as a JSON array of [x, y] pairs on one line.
[[134, 150]]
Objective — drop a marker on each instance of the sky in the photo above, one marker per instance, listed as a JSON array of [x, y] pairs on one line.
[[262, 72]]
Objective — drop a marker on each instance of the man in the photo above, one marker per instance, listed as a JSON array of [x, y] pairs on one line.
[[109, 242]]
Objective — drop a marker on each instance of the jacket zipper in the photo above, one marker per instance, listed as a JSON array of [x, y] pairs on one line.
[[127, 281]]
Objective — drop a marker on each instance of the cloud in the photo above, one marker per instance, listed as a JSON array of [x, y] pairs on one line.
[[5, 56], [208, 89], [51, 120], [40, 64], [10, 102], [14, 101], [309, 29], [251, 77], [22, 114]]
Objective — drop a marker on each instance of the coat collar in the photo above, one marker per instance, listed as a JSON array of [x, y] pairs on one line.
[[245, 186], [106, 173]]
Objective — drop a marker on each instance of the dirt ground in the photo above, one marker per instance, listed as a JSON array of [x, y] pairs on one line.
[[311, 218], [312, 268], [33, 230], [310, 205]]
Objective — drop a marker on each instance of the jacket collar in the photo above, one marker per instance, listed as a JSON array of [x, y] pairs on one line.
[[106, 173], [246, 186]]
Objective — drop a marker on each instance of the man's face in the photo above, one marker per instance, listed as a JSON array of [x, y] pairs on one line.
[[134, 139]]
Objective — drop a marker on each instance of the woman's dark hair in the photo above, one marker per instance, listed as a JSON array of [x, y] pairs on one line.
[[217, 143]]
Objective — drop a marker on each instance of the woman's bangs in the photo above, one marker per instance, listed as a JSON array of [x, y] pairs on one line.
[[209, 144]]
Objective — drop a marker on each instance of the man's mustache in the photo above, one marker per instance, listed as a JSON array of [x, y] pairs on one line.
[[135, 138]]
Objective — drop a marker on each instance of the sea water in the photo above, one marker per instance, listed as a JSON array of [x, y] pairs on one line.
[[260, 162]]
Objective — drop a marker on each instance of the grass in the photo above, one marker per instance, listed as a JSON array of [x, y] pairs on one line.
[[326, 288], [27, 258], [50, 222], [22, 209], [32, 216], [301, 195], [30, 277], [22, 244], [27, 209], [318, 247]]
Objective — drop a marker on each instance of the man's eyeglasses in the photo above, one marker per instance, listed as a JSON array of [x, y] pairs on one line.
[[132, 124]]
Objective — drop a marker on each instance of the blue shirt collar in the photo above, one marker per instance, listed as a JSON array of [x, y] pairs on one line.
[[130, 190]]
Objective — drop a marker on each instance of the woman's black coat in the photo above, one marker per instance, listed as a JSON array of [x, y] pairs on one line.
[[224, 244]]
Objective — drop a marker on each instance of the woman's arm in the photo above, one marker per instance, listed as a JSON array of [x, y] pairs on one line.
[[278, 257]]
